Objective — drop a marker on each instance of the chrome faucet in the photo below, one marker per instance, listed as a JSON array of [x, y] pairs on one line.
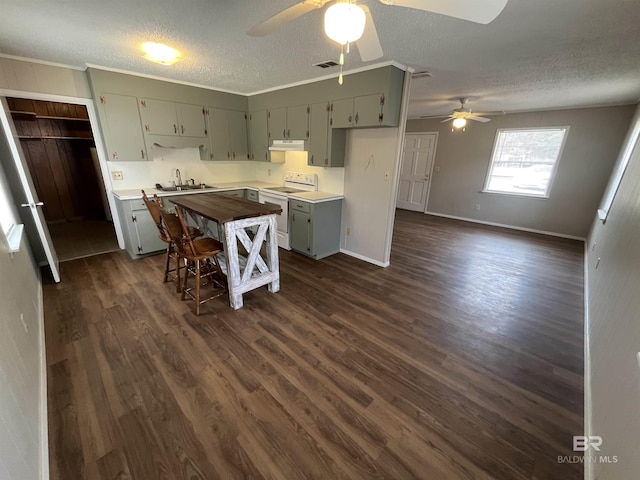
[[179, 177]]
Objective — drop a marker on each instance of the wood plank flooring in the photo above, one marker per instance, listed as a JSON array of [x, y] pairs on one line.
[[462, 360]]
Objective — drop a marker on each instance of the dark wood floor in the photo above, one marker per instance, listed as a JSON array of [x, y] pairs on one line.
[[462, 360]]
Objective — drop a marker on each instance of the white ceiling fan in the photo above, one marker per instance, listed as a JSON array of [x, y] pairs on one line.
[[462, 114], [354, 23]]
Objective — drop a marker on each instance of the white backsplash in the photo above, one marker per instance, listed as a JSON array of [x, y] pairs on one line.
[[163, 170], [330, 180]]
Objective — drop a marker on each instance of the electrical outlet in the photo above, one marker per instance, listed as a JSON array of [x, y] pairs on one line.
[[437, 168], [387, 175], [117, 175], [477, 207], [348, 231]]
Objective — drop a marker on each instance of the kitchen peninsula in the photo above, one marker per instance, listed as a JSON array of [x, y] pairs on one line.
[[236, 215]]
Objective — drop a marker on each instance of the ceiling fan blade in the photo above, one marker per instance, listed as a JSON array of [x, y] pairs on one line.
[[284, 17], [478, 119], [478, 11], [447, 119], [369, 44]]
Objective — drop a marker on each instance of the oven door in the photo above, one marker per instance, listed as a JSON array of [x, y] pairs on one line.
[[279, 201]]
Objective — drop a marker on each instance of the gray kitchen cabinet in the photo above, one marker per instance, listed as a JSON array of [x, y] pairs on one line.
[[277, 123], [238, 193], [341, 113], [160, 117], [227, 134], [298, 122], [258, 136], [364, 111], [314, 228], [219, 134], [326, 145], [140, 231], [290, 123], [251, 194], [238, 135], [122, 128]]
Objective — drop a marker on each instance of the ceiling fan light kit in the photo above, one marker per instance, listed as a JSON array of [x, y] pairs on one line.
[[344, 22]]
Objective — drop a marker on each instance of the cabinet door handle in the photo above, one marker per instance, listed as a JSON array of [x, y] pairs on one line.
[[175, 128], [284, 133], [293, 217], [228, 155], [234, 155], [350, 118], [288, 133], [142, 153], [356, 118], [311, 158], [182, 129]]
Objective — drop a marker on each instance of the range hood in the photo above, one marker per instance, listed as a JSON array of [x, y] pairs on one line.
[[287, 146]]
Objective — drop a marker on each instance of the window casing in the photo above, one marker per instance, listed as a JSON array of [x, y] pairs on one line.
[[524, 161]]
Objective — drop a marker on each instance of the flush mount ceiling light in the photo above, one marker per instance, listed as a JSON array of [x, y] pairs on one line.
[[160, 53]]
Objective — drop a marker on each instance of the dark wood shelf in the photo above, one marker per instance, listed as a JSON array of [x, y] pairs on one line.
[[21, 112], [36, 137], [63, 118]]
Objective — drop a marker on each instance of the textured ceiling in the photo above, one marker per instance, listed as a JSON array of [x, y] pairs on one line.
[[536, 55]]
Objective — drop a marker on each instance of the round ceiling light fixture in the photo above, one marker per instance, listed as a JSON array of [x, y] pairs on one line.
[[344, 22], [160, 53], [459, 122]]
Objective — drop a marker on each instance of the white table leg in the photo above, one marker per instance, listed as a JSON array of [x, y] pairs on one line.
[[233, 265], [272, 254]]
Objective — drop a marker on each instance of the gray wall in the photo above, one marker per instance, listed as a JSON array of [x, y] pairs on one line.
[[614, 329], [23, 440], [589, 154]]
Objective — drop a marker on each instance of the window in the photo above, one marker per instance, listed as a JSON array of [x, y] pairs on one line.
[[524, 161]]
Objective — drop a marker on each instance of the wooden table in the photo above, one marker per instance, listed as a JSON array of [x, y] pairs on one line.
[[236, 215]]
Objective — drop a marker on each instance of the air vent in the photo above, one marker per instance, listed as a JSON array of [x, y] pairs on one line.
[[422, 74], [327, 64]]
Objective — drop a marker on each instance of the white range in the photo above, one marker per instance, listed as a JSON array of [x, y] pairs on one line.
[[293, 183]]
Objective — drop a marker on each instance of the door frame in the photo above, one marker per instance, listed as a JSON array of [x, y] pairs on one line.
[[433, 163], [97, 138]]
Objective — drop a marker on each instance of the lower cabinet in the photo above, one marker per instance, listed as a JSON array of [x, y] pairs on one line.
[[314, 228], [140, 231]]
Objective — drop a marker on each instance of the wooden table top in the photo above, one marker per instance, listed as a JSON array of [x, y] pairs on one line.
[[223, 208]]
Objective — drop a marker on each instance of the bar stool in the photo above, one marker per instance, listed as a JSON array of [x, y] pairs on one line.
[[154, 206], [201, 257]]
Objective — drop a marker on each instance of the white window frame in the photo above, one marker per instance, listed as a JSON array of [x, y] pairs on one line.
[[485, 187]]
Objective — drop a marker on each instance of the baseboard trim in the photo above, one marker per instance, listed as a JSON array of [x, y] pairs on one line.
[[44, 411], [588, 468], [502, 225], [365, 259]]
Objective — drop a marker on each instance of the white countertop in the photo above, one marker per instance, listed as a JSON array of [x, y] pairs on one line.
[[135, 193], [316, 197], [312, 197]]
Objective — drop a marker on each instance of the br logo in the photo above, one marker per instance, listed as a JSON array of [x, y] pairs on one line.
[[581, 443]]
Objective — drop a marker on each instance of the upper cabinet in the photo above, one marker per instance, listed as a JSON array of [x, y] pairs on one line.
[[290, 123], [160, 117], [326, 145], [121, 127], [227, 134], [364, 111], [258, 136]]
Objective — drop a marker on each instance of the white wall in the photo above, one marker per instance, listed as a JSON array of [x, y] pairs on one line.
[[365, 213], [163, 168], [588, 157], [330, 180], [614, 329], [23, 396]]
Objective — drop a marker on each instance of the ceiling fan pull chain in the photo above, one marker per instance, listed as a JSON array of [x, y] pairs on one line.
[[341, 64]]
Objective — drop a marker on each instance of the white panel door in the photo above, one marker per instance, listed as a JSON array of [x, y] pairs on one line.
[[415, 172], [30, 198]]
